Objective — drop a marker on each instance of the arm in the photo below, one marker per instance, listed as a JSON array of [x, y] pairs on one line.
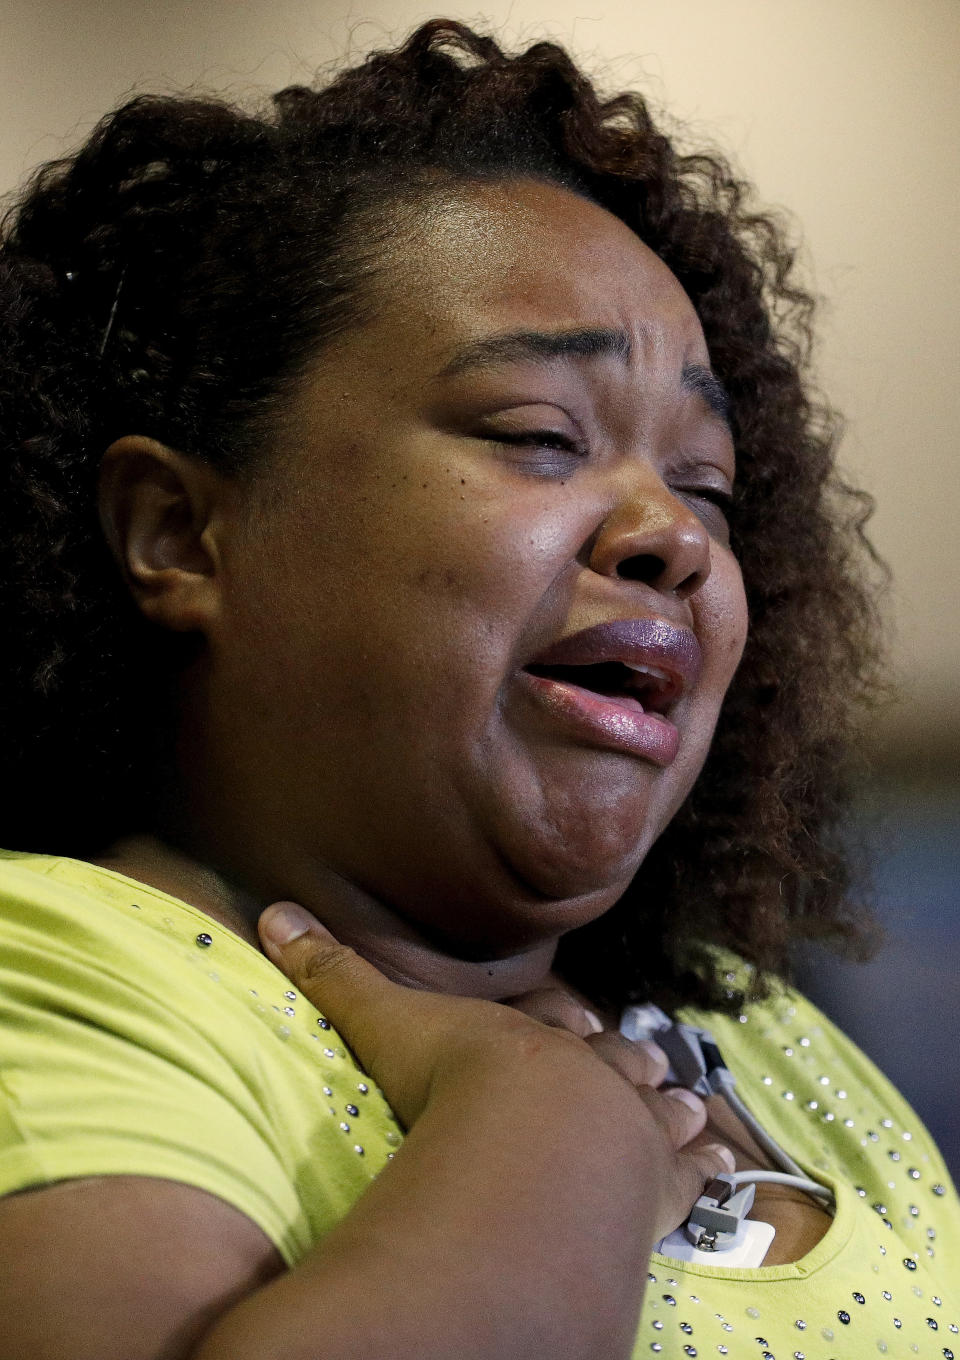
[[516, 1220], [121, 1268]]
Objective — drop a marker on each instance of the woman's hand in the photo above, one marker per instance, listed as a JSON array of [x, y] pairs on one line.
[[517, 1219], [405, 1039], [414, 1043], [642, 1063]]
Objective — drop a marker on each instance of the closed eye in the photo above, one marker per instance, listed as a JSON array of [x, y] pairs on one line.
[[714, 494], [540, 453], [544, 439], [711, 505]]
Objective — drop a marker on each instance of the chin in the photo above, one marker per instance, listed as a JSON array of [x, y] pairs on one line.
[[521, 907], [522, 926], [576, 870], [583, 852], [562, 887]]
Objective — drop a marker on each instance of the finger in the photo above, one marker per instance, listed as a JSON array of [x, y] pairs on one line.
[[351, 993], [556, 1008], [643, 1063], [696, 1168], [680, 1114]]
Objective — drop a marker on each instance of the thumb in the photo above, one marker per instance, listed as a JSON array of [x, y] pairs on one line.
[[282, 923], [350, 992]]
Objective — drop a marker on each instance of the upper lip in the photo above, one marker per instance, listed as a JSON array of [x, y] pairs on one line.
[[668, 656]]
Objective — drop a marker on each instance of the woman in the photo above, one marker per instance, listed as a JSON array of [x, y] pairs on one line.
[[373, 551]]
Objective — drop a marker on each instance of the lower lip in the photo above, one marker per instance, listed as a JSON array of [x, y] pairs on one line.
[[599, 721]]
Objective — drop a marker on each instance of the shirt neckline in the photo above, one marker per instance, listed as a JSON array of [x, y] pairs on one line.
[[78, 869]]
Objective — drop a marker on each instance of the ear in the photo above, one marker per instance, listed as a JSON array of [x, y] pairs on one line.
[[160, 514]]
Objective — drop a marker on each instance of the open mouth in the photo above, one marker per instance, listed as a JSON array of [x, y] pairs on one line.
[[615, 686], [645, 689]]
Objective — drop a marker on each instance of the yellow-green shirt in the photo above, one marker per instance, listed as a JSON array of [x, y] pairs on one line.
[[139, 1037]]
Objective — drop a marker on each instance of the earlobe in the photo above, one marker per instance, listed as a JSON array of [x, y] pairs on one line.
[[158, 509]]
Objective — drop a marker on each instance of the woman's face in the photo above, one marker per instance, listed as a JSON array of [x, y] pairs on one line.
[[479, 610]]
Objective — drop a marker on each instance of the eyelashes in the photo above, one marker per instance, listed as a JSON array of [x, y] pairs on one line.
[[542, 453], [555, 453], [554, 440], [711, 505], [713, 495], [544, 439]]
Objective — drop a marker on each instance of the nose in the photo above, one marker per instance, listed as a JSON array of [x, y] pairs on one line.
[[652, 536]]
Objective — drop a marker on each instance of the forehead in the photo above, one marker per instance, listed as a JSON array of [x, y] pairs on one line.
[[527, 254]]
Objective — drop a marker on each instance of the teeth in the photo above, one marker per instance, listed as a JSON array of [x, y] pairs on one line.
[[647, 670]]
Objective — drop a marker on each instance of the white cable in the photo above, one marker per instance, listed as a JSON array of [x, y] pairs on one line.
[[721, 1081], [809, 1187], [704, 1072]]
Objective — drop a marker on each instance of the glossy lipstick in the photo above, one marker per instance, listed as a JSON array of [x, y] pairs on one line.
[[666, 662]]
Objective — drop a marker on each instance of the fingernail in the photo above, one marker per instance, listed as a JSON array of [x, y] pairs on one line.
[[594, 1021], [653, 1051], [725, 1155], [285, 921], [688, 1098]]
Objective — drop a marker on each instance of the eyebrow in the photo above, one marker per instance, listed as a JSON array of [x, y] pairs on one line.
[[702, 380], [590, 342]]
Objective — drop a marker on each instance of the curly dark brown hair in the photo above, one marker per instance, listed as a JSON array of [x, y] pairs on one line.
[[176, 276]]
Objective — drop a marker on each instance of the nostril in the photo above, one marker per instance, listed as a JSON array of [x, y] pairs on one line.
[[652, 570], [691, 584], [646, 567]]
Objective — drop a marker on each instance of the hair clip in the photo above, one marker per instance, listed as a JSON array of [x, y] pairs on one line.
[[113, 314]]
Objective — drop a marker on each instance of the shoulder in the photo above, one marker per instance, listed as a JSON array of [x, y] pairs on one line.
[[138, 1037], [81, 942]]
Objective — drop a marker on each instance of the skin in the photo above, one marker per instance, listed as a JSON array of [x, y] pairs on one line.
[[419, 804], [355, 737]]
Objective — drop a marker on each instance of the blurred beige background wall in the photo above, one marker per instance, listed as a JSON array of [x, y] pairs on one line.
[[846, 112]]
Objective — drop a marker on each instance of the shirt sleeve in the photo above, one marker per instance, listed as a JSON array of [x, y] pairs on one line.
[[113, 1061]]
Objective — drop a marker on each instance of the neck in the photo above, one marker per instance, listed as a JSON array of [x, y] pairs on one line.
[[374, 930]]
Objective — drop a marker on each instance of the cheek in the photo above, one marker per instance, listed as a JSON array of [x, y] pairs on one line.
[[406, 588], [722, 619], [477, 552]]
